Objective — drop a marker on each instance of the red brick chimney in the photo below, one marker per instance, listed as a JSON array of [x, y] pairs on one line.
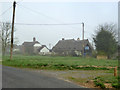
[[63, 39], [34, 39], [78, 39]]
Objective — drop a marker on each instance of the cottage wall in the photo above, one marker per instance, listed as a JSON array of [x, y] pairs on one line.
[[44, 50]]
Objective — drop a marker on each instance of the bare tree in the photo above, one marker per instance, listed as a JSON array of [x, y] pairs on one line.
[[5, 30]]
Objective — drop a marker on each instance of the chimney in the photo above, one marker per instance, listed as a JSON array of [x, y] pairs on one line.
[[63, 39], [34, 39], [78, 39]]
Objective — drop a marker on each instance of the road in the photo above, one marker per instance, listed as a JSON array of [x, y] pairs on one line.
[[20, 78]]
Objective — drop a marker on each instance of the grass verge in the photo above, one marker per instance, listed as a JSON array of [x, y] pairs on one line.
[[59, 63], [102, 81]]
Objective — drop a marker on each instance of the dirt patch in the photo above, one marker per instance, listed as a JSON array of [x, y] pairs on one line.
[[108, 85]]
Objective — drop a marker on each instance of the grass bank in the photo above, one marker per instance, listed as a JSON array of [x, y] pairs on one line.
[[59, 62]]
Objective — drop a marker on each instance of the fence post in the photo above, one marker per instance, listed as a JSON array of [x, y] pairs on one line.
[[115, 71]]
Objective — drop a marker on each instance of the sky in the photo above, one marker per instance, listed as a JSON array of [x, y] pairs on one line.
[[91, 13]]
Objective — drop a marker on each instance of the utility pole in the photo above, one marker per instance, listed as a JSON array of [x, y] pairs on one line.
[[83, 37], [83, 30], [12, 32]]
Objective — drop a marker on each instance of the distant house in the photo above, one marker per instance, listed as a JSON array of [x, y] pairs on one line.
[[43, 50], [17, 49], [33, 47], [73, 47]]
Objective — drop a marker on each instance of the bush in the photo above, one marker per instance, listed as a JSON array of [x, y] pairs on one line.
[[99, 81], [116, 85], [101, 53], [100, 84], [94, 54]]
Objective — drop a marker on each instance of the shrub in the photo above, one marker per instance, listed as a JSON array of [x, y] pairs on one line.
[[99, 84], [116, 85], [99, 81]]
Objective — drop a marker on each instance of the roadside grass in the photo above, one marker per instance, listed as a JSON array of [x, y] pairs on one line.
[[0, 58], [102, 80], [93, 78], [59, 62]]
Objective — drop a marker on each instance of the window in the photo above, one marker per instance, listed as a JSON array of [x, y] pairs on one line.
[[86, 47]]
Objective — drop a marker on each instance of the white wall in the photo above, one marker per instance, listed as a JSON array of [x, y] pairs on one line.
[[44, 50], [37, 45]]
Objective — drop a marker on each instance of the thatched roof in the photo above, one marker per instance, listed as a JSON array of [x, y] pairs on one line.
[[30, 43], [42, 47], [71, 45]]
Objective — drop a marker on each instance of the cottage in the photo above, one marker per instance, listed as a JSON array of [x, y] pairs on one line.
[[73, 47], [34, 47], [43, 50]]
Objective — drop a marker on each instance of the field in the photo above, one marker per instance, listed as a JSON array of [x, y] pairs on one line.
[[59, 62], [71, 68]]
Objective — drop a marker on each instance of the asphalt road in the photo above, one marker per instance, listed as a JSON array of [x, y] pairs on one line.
[[19, 78]]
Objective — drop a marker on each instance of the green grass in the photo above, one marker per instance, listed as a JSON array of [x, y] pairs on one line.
[[99, 81], [58, 62]]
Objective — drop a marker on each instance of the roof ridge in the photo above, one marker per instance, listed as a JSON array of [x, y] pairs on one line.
[[67, 40]]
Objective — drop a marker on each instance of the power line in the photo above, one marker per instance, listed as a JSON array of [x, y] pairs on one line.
[[38, 12], [44, 15], [6, 10], [19, 1], [49, 24]]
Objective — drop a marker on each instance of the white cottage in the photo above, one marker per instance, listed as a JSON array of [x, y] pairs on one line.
[[35, 48], [43, 50]]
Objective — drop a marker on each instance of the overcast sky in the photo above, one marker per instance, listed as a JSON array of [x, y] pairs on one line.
[[91, 13]]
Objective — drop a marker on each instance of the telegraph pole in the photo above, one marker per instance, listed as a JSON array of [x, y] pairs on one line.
[[12, 32], [83, 30], [83, 37]]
